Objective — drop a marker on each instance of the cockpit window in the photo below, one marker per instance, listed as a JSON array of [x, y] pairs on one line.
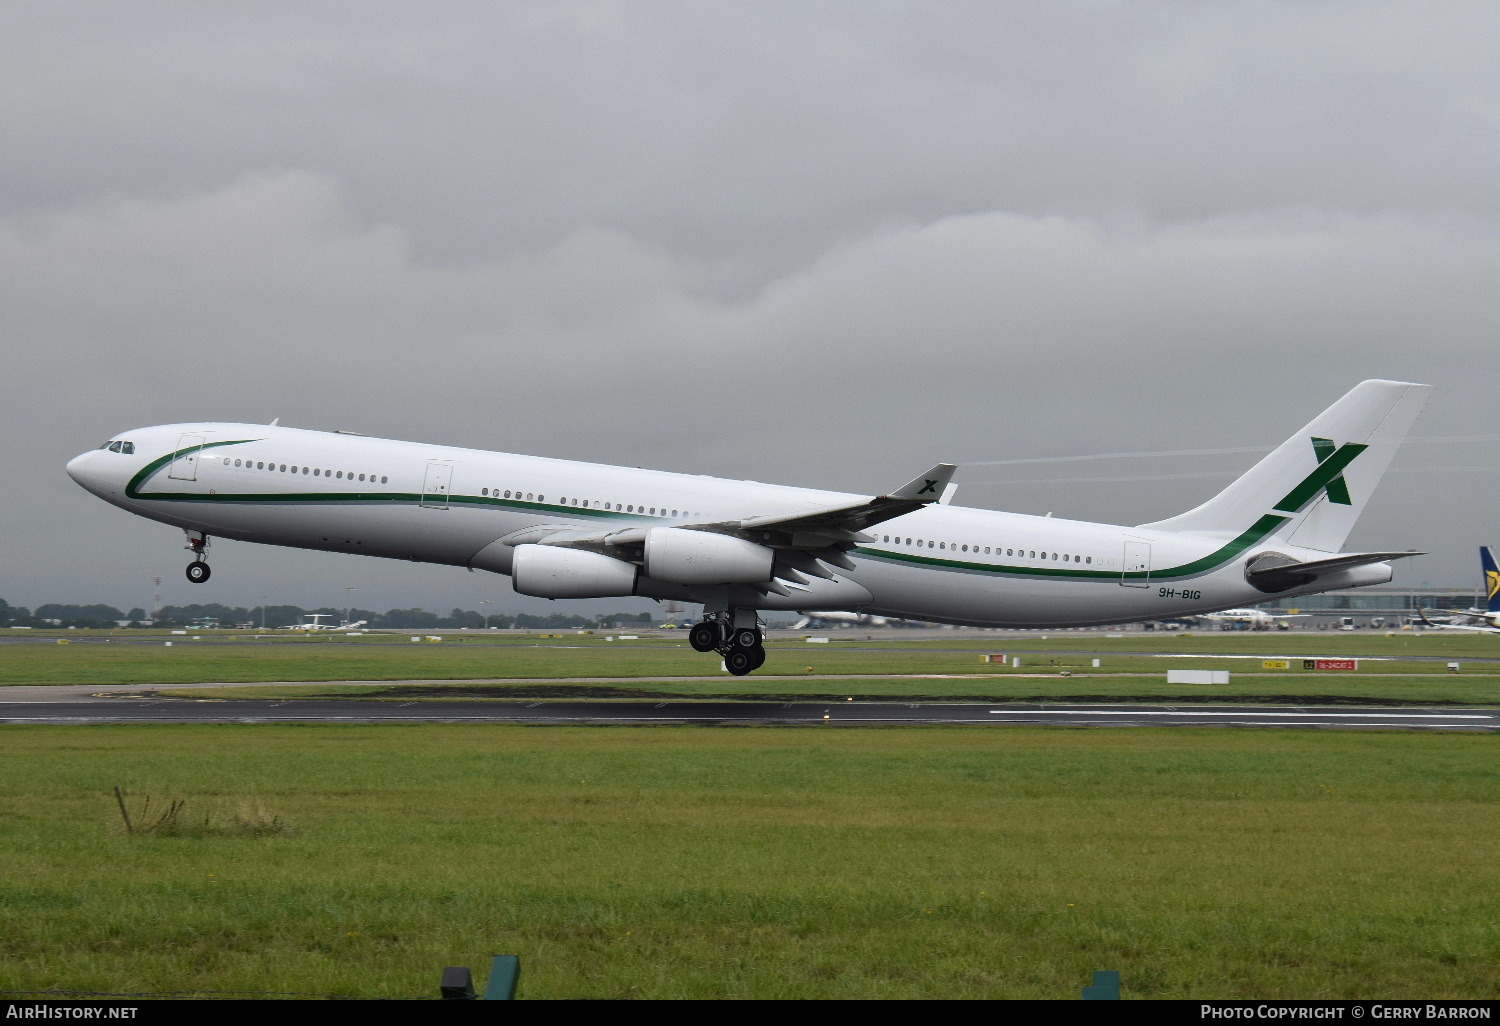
[[128, 448], [114, 446]]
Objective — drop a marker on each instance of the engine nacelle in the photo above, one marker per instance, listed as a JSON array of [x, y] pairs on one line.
[[548, 571], [702, 557]]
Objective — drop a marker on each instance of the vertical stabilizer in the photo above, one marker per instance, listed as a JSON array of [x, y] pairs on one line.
[[1491, 580], [1310, 490]]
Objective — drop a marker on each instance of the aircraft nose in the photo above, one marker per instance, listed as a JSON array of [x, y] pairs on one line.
[[83, 469], [75, 467]]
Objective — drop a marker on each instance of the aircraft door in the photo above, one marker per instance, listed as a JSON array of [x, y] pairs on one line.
[[436, 485], [1137, 561], [185, 463]]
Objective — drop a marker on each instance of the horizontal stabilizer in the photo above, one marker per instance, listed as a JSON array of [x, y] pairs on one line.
[[1274, 572]]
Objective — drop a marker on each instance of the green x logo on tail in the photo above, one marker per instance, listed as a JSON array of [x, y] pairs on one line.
[[1336, 490], [1327, 478], [929, 486]]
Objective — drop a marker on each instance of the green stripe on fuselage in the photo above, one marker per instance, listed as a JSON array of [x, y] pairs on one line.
[[132, 490], [1260, 529]]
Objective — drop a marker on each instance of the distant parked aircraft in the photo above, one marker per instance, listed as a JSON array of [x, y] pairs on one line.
[[1255, 619], [315, 622], [1484, 620], [834, 618]]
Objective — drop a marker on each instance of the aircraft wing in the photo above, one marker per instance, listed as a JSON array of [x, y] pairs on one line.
[[804, 539], [1277, 573], [844, 523], [803, 529]]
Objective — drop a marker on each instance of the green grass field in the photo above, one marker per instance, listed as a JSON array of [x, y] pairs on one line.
[[1128, 669], [699, 862]]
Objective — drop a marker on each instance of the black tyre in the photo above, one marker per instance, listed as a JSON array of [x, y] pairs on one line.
[[704, 637], [746, 637], [739, 661], [198, 571], [757, 657]]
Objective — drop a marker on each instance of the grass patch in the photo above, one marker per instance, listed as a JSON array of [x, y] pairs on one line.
[[682, 862], [172, 817], [1053, 668], [188, 661]]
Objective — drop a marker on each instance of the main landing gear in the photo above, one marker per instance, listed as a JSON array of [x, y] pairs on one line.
[[743, 647], [197, 570]]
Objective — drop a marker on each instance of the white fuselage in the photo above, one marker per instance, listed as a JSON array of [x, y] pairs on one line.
[[437, 504]]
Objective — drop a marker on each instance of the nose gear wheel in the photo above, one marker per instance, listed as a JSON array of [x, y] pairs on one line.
[[197, 570]]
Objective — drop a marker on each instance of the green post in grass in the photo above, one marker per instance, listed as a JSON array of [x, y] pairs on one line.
[[505, 971], [1106, 986]]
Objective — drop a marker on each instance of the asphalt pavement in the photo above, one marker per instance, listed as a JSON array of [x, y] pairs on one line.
[[91, 705]]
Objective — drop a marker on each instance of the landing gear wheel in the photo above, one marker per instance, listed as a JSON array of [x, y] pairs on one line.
[[739, 661], [757, 657], [198, 571], [746, 637], [704, 637]]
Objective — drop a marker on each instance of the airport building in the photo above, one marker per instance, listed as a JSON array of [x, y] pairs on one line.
[[1390, 604]]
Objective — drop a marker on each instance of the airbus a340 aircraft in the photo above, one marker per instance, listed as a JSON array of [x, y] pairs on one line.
[[562, 529]]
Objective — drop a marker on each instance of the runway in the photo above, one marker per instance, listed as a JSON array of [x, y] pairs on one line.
[[119, 709]]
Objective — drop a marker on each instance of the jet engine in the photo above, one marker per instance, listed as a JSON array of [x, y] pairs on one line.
[[547, 571], [702, 557]]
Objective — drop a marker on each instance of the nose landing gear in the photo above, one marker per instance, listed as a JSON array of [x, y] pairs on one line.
[[197, 570], [741, 646]]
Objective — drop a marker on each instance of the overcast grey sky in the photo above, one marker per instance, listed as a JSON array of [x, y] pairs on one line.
[[808, 242]]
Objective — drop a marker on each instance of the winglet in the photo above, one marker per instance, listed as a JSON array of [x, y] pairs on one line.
[[928, 487]]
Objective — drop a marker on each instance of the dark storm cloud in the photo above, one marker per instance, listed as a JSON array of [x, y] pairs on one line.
[[813, 243]]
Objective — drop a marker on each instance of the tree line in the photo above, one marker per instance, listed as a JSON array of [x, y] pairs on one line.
[[213, 614]]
